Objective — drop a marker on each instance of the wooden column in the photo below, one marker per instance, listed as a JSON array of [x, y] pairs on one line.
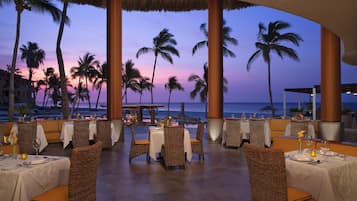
[[215, 69], [114, 59], [330, 77], [215, 60]]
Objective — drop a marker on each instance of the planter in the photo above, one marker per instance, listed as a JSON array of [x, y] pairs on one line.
[[331, 131]]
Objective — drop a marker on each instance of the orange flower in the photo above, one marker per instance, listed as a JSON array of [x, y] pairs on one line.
[[300, 134]]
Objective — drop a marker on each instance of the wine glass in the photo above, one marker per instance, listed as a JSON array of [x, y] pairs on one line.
[[309, 142], [324, 148], [36, 143]]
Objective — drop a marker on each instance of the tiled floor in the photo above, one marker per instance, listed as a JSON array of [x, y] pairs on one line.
[[223, 175]]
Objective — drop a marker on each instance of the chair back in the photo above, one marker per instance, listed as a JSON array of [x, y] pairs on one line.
[[83, 172], [2, 132], [256, 128], [104, 133], [80, 133], [199, 132], [267, 173], [174, 147], [233, 134], [26, 133], [297, 126]]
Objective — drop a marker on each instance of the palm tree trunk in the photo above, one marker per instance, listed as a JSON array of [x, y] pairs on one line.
[[152, 80], [168, 104], [270, 92], [96, 104], [126, 95], [44, 98], [141, 94], [13, 66], [89, 104], [65, 107]]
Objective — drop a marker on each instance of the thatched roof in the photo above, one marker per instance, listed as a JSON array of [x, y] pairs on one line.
[[165, 5]]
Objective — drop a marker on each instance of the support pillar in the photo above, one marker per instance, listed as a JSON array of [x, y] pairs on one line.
[[114, 61], [215, 69], [330, 125]]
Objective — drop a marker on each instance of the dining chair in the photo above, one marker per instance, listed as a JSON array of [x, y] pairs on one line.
[[27, 131], [82, 176], [172, 150], [267, 176], [196, 143], [297, 126], [104, 133], [2, 132], [233, 133], [257, 136], [80, 133], [138, 147]]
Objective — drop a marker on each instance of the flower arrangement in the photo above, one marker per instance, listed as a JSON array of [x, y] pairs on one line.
[[300, 135]]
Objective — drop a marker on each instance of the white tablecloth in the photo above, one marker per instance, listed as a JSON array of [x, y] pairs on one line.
[[20, 183], [245, 130], [157, 140], [67, 132], [310, 130], [334, 180], [40, 133]]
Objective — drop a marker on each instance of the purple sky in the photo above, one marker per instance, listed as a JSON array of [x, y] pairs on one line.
[[87, 33]]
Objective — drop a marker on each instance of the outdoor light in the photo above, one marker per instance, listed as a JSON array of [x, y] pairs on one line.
[[355, 94], [348, 92]]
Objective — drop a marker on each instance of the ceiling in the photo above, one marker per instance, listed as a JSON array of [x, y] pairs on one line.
[[338, 16]]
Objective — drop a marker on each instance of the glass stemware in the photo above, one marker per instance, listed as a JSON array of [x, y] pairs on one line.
[[36, 143]]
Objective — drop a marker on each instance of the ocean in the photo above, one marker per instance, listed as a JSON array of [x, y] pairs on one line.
[[194, 110]]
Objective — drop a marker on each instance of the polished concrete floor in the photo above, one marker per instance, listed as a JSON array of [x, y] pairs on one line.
[[223, 175]]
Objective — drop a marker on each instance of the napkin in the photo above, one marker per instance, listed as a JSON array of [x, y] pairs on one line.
[[301, 157]]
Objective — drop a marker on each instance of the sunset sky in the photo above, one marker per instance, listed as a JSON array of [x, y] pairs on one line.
[[87, 33]]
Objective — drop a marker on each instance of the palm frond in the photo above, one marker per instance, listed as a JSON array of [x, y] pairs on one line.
[[143, 50], [252, 58]]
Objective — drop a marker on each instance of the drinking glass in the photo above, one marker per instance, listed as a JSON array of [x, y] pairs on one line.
[[324, 147], [309, 142], [36, 143]]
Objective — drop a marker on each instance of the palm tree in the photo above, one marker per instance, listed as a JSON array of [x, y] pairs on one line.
[[172, 84], [54, 84], [65, 95], [144, 84], [163, 45], [34, 56], [80, 95], [85, 69], [201, 86], [21, 5], [227, 39], [130, 78], [269, 40], [48, 72], [102, 77]]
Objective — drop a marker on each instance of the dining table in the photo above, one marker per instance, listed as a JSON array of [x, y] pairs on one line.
[[67, 132], [245, 130], [21, 180], [40, 133], [327, 177], [156, 138]]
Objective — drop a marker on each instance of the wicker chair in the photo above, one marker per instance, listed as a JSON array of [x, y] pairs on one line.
[[80, 133], [233, 134], [172, 150], [104, 133], [256, 128], [82, 176], [26, 133], [297, 126], [196, 143], [2, 132], [138, 147], [268, 180]]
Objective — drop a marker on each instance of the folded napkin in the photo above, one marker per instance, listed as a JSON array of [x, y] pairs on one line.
[[37, 161]]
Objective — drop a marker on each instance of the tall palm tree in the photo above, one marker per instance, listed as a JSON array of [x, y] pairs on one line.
[[269, 40], [48, 72], [34, 56], [54, 84], [144, 84], [201, 86], [227, 39], [65, 95], [80, 95], [163, 45], [102, 77], [130, 78], [86, 69], [172, 84], [20, 6]]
